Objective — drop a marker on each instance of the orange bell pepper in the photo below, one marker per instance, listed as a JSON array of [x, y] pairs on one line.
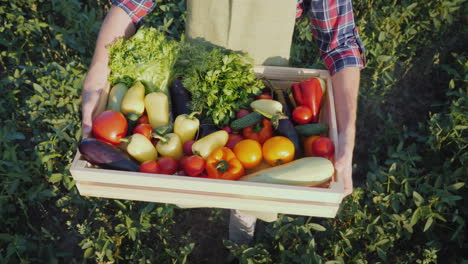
[[259, 132], [223, 164]]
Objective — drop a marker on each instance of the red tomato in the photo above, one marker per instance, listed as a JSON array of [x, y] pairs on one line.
[[182, 162], [233, 140], [187, 147], [308, 145], [110, 126], [302, 114], [323, 147], [150, 166], [264, 96], [143, 119], [168, 165], [194, 166], [144, 129]]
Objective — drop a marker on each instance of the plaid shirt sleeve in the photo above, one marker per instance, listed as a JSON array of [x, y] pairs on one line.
[[336, 34], [136, 9]]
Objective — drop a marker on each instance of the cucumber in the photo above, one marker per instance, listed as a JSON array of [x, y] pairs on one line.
[[245, 121], [307, 171], [311, 129]]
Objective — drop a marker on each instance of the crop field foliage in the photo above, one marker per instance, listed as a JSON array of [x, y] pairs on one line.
[[410, 167]]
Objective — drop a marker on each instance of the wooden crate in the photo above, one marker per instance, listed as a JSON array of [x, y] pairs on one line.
[[204, 192]]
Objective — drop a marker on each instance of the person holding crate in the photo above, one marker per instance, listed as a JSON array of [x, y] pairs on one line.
[[263, 29]]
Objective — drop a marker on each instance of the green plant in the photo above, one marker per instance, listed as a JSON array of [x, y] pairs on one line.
[[409, 205]]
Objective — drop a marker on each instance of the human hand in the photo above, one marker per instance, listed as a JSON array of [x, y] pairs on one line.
[[94, 87]]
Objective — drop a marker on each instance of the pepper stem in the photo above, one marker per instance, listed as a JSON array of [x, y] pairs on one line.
[[163, 139], [222, 166], [276, 118], [257, 128], [193, 114]]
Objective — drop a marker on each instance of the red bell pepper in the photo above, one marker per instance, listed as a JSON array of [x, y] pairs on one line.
[[259, 132], [309, 93]]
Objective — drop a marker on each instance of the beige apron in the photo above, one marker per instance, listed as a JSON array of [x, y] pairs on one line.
[[261, 28]]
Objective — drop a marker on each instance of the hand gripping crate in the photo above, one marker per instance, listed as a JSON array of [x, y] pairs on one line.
[[204, 192]]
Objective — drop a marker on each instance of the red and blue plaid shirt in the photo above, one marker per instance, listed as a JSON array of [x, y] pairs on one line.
[[332, 23]]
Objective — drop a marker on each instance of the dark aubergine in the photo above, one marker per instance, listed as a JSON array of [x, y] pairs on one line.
[[206, 129], [286, 128], [282, 97], [180, 98], [106, 155]]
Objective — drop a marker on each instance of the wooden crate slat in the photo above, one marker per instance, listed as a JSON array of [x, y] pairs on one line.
[[208, 200]]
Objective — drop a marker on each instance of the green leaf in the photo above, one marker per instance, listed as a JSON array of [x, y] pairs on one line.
[[384, 58], [317, 227], [417, 198], [452, 84], [428, 224], [68, 184], [56, 177], [456, 186], [88, 253], [412, 6], [382, 36], [382, 242], [416, 216], [38, 88]]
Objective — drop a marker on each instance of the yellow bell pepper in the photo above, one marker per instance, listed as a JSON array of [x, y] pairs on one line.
[[140, 148], [134, 100], [204, 146], [169, 145], [186, 126], [157, 108]]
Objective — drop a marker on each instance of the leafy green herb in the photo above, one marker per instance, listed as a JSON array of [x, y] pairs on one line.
[[220, 81]]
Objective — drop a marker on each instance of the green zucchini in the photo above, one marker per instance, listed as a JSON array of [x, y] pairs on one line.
[[247, 120], [116, 96], [311, 129], [307, 171]]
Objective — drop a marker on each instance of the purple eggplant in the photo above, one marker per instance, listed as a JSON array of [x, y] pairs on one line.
[[106, 155], [281, 96], [180, 98]]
